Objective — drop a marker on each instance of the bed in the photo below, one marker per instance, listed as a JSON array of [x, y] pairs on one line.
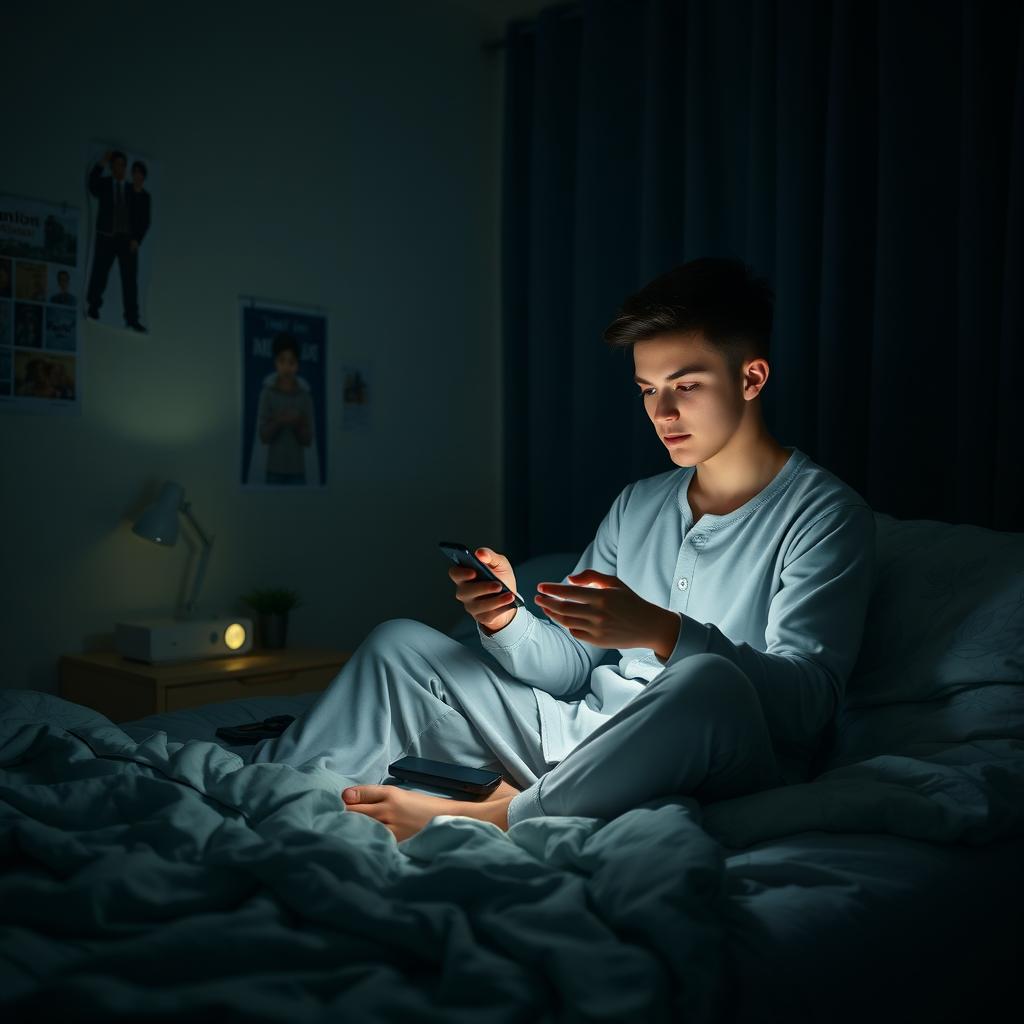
[[149, 873]]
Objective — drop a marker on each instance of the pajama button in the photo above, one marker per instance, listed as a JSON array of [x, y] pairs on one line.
[[682, 584]]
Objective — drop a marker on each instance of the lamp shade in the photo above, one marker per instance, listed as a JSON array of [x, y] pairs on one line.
[[159, 522]]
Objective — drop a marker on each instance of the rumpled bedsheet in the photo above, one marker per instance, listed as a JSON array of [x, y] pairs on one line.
[[151, 880]]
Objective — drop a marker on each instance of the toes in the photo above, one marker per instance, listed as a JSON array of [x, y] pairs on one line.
[[365, 794]]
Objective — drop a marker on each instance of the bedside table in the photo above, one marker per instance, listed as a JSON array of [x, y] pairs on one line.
[[124, 690]]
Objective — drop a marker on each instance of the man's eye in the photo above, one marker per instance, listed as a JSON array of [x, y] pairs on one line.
[[644, 392]]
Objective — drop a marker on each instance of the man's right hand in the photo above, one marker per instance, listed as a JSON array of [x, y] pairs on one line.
[[483, 599]]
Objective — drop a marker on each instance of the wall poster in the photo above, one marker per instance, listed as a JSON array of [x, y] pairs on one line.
[[119, 185], [40, 353], [284, 356]]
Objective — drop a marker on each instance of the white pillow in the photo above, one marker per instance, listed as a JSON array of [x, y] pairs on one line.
[[946, 612]]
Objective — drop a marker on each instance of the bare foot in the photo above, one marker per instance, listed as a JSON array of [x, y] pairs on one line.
[[406, 811]]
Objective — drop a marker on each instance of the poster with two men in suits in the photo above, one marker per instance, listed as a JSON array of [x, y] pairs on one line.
[[119, 184], [43, 290]]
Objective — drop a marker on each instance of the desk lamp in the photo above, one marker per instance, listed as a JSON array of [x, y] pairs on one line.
[[187, 636]]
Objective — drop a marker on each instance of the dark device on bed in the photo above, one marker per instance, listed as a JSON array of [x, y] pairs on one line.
[[445, 775], [253, 732], [461, 555]]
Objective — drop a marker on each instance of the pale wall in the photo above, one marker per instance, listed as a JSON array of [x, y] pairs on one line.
[[341, 155]]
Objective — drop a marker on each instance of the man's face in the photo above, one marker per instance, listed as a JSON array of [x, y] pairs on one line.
[[286, 363], [63, 279], [117, 166], [705, 403], [138, 178]]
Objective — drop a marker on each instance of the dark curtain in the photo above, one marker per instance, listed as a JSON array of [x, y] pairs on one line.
[[866, 157]]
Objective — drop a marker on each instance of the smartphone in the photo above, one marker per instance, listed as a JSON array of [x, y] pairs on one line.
[[445, 775], [461, 555]]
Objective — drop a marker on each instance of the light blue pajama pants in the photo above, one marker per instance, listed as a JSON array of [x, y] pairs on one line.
[[697, 729]]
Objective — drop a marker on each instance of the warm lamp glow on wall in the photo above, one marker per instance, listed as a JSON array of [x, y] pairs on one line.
[[187, 636]]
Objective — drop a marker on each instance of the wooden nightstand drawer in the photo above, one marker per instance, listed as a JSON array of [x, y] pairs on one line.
[[124, 690]]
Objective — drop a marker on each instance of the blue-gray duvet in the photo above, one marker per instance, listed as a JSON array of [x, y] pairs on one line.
[[157, 879]]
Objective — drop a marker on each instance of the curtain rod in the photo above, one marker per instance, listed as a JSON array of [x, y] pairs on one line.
[[568, 10]]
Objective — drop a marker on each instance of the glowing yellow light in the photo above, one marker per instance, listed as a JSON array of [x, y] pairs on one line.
[[234, 635]]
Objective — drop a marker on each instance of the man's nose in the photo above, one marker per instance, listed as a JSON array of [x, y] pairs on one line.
[[666, 408]]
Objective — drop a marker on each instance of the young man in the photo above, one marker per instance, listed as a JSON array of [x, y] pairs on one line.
[[734, 588]]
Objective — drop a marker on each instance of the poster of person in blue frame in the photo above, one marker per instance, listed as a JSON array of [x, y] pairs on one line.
[[284, 374]]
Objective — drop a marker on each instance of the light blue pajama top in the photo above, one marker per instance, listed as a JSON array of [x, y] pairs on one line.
[[779, 586]]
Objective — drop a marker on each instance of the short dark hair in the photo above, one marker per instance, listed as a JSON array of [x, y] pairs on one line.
[[721, 298], [65, 273], [285, 341], [140, 166], [117, 154]]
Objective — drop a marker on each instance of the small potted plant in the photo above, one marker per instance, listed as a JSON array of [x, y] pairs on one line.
[[272, 605]]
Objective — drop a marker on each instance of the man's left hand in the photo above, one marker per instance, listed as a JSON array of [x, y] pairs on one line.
[[601, 610]]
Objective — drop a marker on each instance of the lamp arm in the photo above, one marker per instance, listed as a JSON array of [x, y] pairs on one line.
[[204, 557]]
